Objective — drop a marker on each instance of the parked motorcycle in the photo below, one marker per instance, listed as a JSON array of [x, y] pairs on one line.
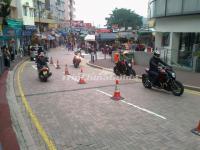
[[166, 80], [77, 59], [124, 68]]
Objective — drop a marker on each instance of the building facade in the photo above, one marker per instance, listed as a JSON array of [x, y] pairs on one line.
[[177, 32], [26, 14]]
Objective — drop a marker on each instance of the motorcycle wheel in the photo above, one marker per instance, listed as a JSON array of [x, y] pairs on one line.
[[116, 71], [42, 78], [177, 88], [145, 81]]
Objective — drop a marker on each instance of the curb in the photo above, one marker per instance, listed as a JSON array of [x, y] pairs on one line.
[[24, 136], [189, 87], [99, 67]]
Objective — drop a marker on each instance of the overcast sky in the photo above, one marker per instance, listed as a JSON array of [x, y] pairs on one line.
[[95, 11]]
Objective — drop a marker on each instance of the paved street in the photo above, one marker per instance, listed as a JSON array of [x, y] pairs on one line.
[[83, 117]]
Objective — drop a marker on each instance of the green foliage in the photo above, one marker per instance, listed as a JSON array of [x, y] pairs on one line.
[[5, 10], [124, 18]]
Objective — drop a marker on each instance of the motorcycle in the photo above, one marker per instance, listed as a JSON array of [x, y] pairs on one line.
[[124, 68], [43, 73], [43, 69], [166, 80], [77, 59]]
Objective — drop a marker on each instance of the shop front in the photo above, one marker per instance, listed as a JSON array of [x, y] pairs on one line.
[[27, 33], [189, 44]]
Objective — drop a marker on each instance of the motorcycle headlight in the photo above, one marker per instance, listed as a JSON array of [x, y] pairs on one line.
[[129, 64], [173, 75]]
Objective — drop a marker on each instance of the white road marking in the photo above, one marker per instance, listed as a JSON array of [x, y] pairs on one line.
[[145, 110], [104, 93], [34, 67], [140, 108], [71, 77]]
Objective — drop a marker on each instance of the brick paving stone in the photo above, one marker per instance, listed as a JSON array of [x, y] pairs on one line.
[[79, 117]]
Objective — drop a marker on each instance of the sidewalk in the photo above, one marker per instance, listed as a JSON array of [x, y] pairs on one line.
[[190, 80], [8, 140]]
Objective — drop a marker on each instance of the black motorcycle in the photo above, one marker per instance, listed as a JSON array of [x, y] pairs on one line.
[[124, 68], [166, 80]]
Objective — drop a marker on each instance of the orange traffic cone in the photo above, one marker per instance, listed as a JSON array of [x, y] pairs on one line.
[[196, 130], [66, 70], [117, 95], [57, 65], [81, 81], [51, 60]]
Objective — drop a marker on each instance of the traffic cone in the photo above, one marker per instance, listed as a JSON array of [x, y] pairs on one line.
[[51, 60], [57, 65], [81, 81], [117, 95], [196, 130], [66, 70]]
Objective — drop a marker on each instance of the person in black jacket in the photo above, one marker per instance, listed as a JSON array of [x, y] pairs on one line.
[[41, 61], [153, 66]]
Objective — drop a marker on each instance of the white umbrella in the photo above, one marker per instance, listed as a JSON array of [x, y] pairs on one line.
[[90, 37]]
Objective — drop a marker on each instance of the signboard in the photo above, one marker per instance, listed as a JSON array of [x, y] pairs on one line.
[[103, 31]]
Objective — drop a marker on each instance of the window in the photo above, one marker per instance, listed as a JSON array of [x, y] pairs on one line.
[[165, 39], [25, 10], [31, 12], [189, 42]]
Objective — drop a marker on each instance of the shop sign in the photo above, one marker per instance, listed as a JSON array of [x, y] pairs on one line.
[[9, 32]]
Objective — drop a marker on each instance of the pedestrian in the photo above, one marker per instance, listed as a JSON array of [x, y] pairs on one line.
[[12, 54], [21, 52], [7, 56]]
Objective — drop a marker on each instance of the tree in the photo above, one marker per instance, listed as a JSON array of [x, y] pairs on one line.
[[5, 11], [124, 18]]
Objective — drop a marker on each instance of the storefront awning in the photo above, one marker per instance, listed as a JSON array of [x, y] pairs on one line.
[[107, 36]]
